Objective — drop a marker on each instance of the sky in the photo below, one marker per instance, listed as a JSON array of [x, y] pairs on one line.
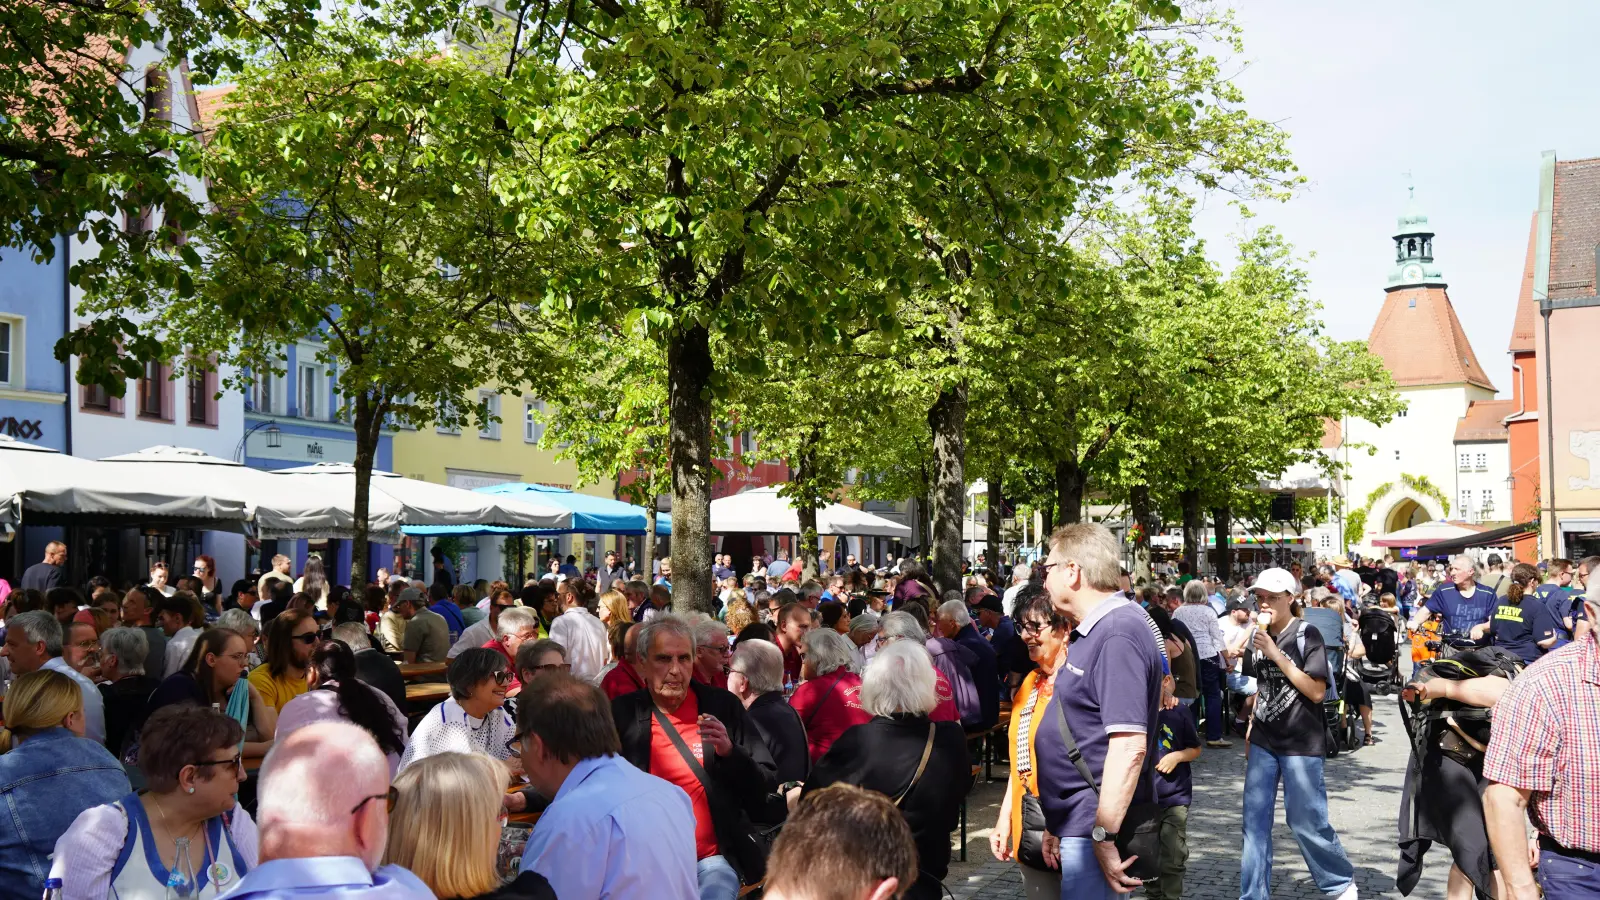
[[1464, 95]]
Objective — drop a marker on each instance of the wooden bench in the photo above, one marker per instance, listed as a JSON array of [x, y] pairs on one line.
[[417, 670], [427, 692]]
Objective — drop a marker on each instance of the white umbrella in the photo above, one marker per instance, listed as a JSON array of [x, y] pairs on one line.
[[282, 508], [1425, 533], [39, 481], [762, 511], [426, 503]]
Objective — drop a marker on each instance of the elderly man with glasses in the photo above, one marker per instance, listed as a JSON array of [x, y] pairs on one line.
[[1463, 603]]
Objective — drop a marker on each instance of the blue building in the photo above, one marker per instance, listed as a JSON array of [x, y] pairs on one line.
[[298, 418]]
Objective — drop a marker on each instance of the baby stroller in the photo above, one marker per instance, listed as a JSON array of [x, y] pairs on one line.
[[1340, 719], [1380, 668]]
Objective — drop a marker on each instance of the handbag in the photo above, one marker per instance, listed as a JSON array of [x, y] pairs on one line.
[[1030, 844], [751, 853], [1140, 834]]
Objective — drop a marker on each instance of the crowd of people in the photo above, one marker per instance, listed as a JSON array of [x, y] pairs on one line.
[[812, 734]]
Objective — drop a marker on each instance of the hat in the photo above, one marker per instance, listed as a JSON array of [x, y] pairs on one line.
[[1238, 603], [1340, 562], [1276, 581], [991, 603], [411, 595]]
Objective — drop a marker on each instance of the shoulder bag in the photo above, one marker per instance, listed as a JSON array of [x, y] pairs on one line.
[[751, 854], [1140, 834], [922, 764]]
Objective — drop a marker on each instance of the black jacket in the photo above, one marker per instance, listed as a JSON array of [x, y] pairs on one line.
[[882, 755], [740, 781], [985, 674], [374, 667], [784, 736]]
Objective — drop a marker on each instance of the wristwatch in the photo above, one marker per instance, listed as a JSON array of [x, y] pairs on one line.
[[1102, 836]]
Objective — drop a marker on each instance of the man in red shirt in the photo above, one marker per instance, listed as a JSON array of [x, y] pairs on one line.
[[697, 737], [711, 652], [624, 678], [515, 627], [794, 620]]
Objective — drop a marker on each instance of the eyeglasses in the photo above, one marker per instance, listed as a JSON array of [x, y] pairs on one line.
[[307, 639], [505, 606], [717, 648], [554, 667], [389, 797], [236, 762], [1032, 626], [515, 744]]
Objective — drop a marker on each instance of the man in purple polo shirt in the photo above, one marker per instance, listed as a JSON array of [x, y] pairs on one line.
[[1111, 691]]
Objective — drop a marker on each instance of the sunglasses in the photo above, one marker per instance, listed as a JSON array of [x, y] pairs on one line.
[[502, 678], [389, 797], [237, 763], [307, 639]]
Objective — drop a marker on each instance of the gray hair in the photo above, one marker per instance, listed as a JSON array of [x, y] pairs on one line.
[[708, 630], [39, 625], [353, 635], [1194, 592], [1021, 572], [516, 619], [665, 623], [828, 651], [957, 612], [528, 654], [900, 624], [239, 620], [900, 681], [811, 590], [129, 646], [1464, 559], [867, 621], [761, 664]]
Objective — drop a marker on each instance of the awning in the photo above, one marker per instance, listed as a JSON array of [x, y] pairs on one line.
[[590, 514], [426, 503], [1498, 537], [762, 511]]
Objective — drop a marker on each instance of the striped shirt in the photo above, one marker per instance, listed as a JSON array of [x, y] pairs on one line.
[[1025, 726]]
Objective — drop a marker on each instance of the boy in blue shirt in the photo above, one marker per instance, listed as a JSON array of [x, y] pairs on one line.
[[1179, 746]]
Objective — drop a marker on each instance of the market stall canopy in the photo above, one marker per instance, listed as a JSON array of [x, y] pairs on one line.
[[590, 514], [1494, 537], [762, 511], [1303, 479], [426, 503], [50, 488], [282, 508], [1426, 533]]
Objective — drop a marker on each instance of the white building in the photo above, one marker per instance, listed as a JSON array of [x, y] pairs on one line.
[[1448, 442]]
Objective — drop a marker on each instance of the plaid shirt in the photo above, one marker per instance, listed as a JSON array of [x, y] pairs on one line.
[[1547, 741]]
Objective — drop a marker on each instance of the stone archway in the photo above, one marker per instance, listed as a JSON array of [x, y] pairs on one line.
[[1403, 507], [1405, 514]]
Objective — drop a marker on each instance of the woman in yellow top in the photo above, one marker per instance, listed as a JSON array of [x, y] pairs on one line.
[[290, 639], [1044, 631]]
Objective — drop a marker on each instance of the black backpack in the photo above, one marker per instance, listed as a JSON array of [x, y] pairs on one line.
[[1460, 731]]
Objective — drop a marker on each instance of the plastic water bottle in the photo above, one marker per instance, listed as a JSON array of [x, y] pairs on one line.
[[180, 881], [52, 889]]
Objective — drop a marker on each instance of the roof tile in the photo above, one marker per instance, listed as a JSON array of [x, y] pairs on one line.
[[1485, 421], [1421, 342]]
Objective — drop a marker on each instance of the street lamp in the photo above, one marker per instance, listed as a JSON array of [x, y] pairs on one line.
[[273, 433]]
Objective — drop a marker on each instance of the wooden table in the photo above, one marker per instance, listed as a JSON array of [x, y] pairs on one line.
[[427, 692], [416, 670]]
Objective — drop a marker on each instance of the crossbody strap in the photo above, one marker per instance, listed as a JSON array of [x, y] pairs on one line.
[[922, 764], [683, 749], [828, 692], [1073, 753]]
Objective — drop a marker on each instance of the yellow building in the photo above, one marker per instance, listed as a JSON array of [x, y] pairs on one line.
[[499, 452]]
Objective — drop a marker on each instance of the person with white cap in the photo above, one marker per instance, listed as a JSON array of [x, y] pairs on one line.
[[1287, 744]]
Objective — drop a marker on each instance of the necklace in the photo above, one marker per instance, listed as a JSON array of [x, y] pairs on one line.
[[218, 871]]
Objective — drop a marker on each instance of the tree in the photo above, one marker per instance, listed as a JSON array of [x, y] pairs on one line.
[[354, 198]]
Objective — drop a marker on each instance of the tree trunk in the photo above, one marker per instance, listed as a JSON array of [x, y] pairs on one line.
[[689, 369], [805, 507], [947, 421], [1139, 502], [648, 544], [1193, 523], [1069, 491], [368, 426], [1047, 519], [992, 532], [1222, 524]]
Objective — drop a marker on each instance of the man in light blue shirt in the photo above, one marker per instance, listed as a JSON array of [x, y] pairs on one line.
[[324, 820], [611, 831], [34, 642]]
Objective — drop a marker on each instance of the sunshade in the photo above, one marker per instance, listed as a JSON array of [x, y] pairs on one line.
[[49, 488], [1303, 479], [426, 503], [762, 511], [282, 508], [1426, 533], [590, 514], [1496, 537]]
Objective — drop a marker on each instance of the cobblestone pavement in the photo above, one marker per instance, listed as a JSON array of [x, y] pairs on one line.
[[1363, 800]]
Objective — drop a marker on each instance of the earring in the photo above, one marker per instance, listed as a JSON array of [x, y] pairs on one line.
[[191, 790]]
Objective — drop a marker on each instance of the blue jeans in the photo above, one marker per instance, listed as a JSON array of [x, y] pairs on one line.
[[718, 881], [1305, 804], [1211, 690], [1081, 878], [1566, 878]]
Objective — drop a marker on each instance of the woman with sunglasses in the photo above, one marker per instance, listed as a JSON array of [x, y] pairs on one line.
[[473, 718], [212, 678], [188, 823], [282, 677], [338, 695]]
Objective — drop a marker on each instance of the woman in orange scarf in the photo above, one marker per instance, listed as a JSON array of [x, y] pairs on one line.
[[1020, 830]]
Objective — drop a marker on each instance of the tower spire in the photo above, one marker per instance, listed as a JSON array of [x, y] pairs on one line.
[[1413, 246]]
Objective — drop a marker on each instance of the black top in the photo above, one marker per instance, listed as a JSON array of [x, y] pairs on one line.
[[374, 667], [985, 674], [781, 731], [127, 703], [1288, 722], [882, 755], [741, 782], [527, 886], [41, 576]]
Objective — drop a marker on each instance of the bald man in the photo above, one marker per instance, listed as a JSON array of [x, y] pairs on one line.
[[324, 820]]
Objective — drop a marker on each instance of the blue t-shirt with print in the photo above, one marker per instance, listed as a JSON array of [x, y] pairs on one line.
[[1177, 732], [1460, 613]]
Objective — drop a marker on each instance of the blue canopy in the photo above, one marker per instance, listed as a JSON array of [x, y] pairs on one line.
[[590, 514]]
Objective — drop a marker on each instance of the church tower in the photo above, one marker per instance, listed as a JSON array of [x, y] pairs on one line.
[[1413, 251]]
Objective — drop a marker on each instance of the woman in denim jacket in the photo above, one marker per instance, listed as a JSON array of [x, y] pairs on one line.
[[49, 773]]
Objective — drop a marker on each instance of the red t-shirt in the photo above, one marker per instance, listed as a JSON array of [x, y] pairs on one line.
[[791, 662], [666, 762], [946, 711], [622, 679], [828, 707], [717, 679]]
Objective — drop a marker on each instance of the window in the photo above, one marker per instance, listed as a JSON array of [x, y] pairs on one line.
[[489, 429], [1397, 455], [7, 329], [1483, 462], [201, 385], [1466, 462], [266, 393], [447, 412], [157, 96], [532, 421], [1401, 414], [1466, 501], [1488, 500], [153, 391], [310, 392], [746, 442], [1325, 540], [96, 397]]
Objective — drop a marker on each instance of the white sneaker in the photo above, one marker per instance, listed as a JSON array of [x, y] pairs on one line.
[[1349, 893]]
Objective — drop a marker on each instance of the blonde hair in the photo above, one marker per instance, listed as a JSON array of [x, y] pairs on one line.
[[38, 701], [739, 613], [445, 826], [617, 603], [1094, 549]]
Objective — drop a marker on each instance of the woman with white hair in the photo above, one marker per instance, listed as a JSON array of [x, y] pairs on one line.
[[755, 676], [920, 764], [829, 698]]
